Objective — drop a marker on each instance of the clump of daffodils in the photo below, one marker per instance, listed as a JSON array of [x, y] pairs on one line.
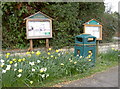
[[7, 55], [38, 53]]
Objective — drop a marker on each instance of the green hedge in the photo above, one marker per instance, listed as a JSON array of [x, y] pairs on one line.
[[68, 19]]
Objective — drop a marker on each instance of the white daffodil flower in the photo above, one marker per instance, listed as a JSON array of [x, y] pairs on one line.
[[43, 70], [38, 61], [31, 82], [15, 65], [43, 75], [47, 75], [19, 75], [3, 71], [15, 69], [8, 67], [33, 70], [31, 63], [20, 70], [2, 61]]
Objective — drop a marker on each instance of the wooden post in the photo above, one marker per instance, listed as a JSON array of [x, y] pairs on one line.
[[47, 43], [97, 48], [31, 45]]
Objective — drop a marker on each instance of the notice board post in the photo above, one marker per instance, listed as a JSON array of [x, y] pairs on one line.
[[38, 26], [94, 28]]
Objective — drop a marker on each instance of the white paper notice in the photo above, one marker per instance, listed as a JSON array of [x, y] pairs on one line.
[[38, 28], [95, 31]]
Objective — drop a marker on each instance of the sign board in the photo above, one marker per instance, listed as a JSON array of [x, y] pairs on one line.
[[39, 29], [94, 28], [38, 26]]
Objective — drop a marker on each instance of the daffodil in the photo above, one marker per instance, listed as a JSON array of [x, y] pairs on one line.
[[58, 54], [43, 70], [3, 71], [49, 49], [8, 67], [89, 60], [27, 52], [19, 75], [15, 65], [15, 69], [33, 70], [2, 61], [89, 51], [14, 60], [48, 53], [38, 53], [89, 56], [8, 54], [43, 75], [31, 82], [38, 61], [11, 62], [20, 70], [32, 52], [47, 75], [2, 65], [80, 56], [31, 63], [29, 55], [19, 60], [71, 60], [23, 59], [113, 48], [51, 55], [75, 62], [57, 51], [62, 64]]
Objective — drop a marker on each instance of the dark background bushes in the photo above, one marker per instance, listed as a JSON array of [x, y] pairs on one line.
[[68, 22]]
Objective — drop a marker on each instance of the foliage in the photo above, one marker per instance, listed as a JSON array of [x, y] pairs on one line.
[[110, 26], [68, 19], [37, 68]]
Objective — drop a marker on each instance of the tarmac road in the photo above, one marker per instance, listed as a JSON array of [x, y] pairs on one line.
[[108, 78]]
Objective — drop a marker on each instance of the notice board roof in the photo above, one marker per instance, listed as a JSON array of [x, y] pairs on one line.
[[38, 15], [92, 22]]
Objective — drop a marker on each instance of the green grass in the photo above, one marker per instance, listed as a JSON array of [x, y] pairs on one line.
[[60, 66]]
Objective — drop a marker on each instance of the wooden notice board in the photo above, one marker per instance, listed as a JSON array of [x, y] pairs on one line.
[[38, 26], [94, 28]]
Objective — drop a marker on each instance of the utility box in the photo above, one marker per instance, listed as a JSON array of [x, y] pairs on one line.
[[85, 46]]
